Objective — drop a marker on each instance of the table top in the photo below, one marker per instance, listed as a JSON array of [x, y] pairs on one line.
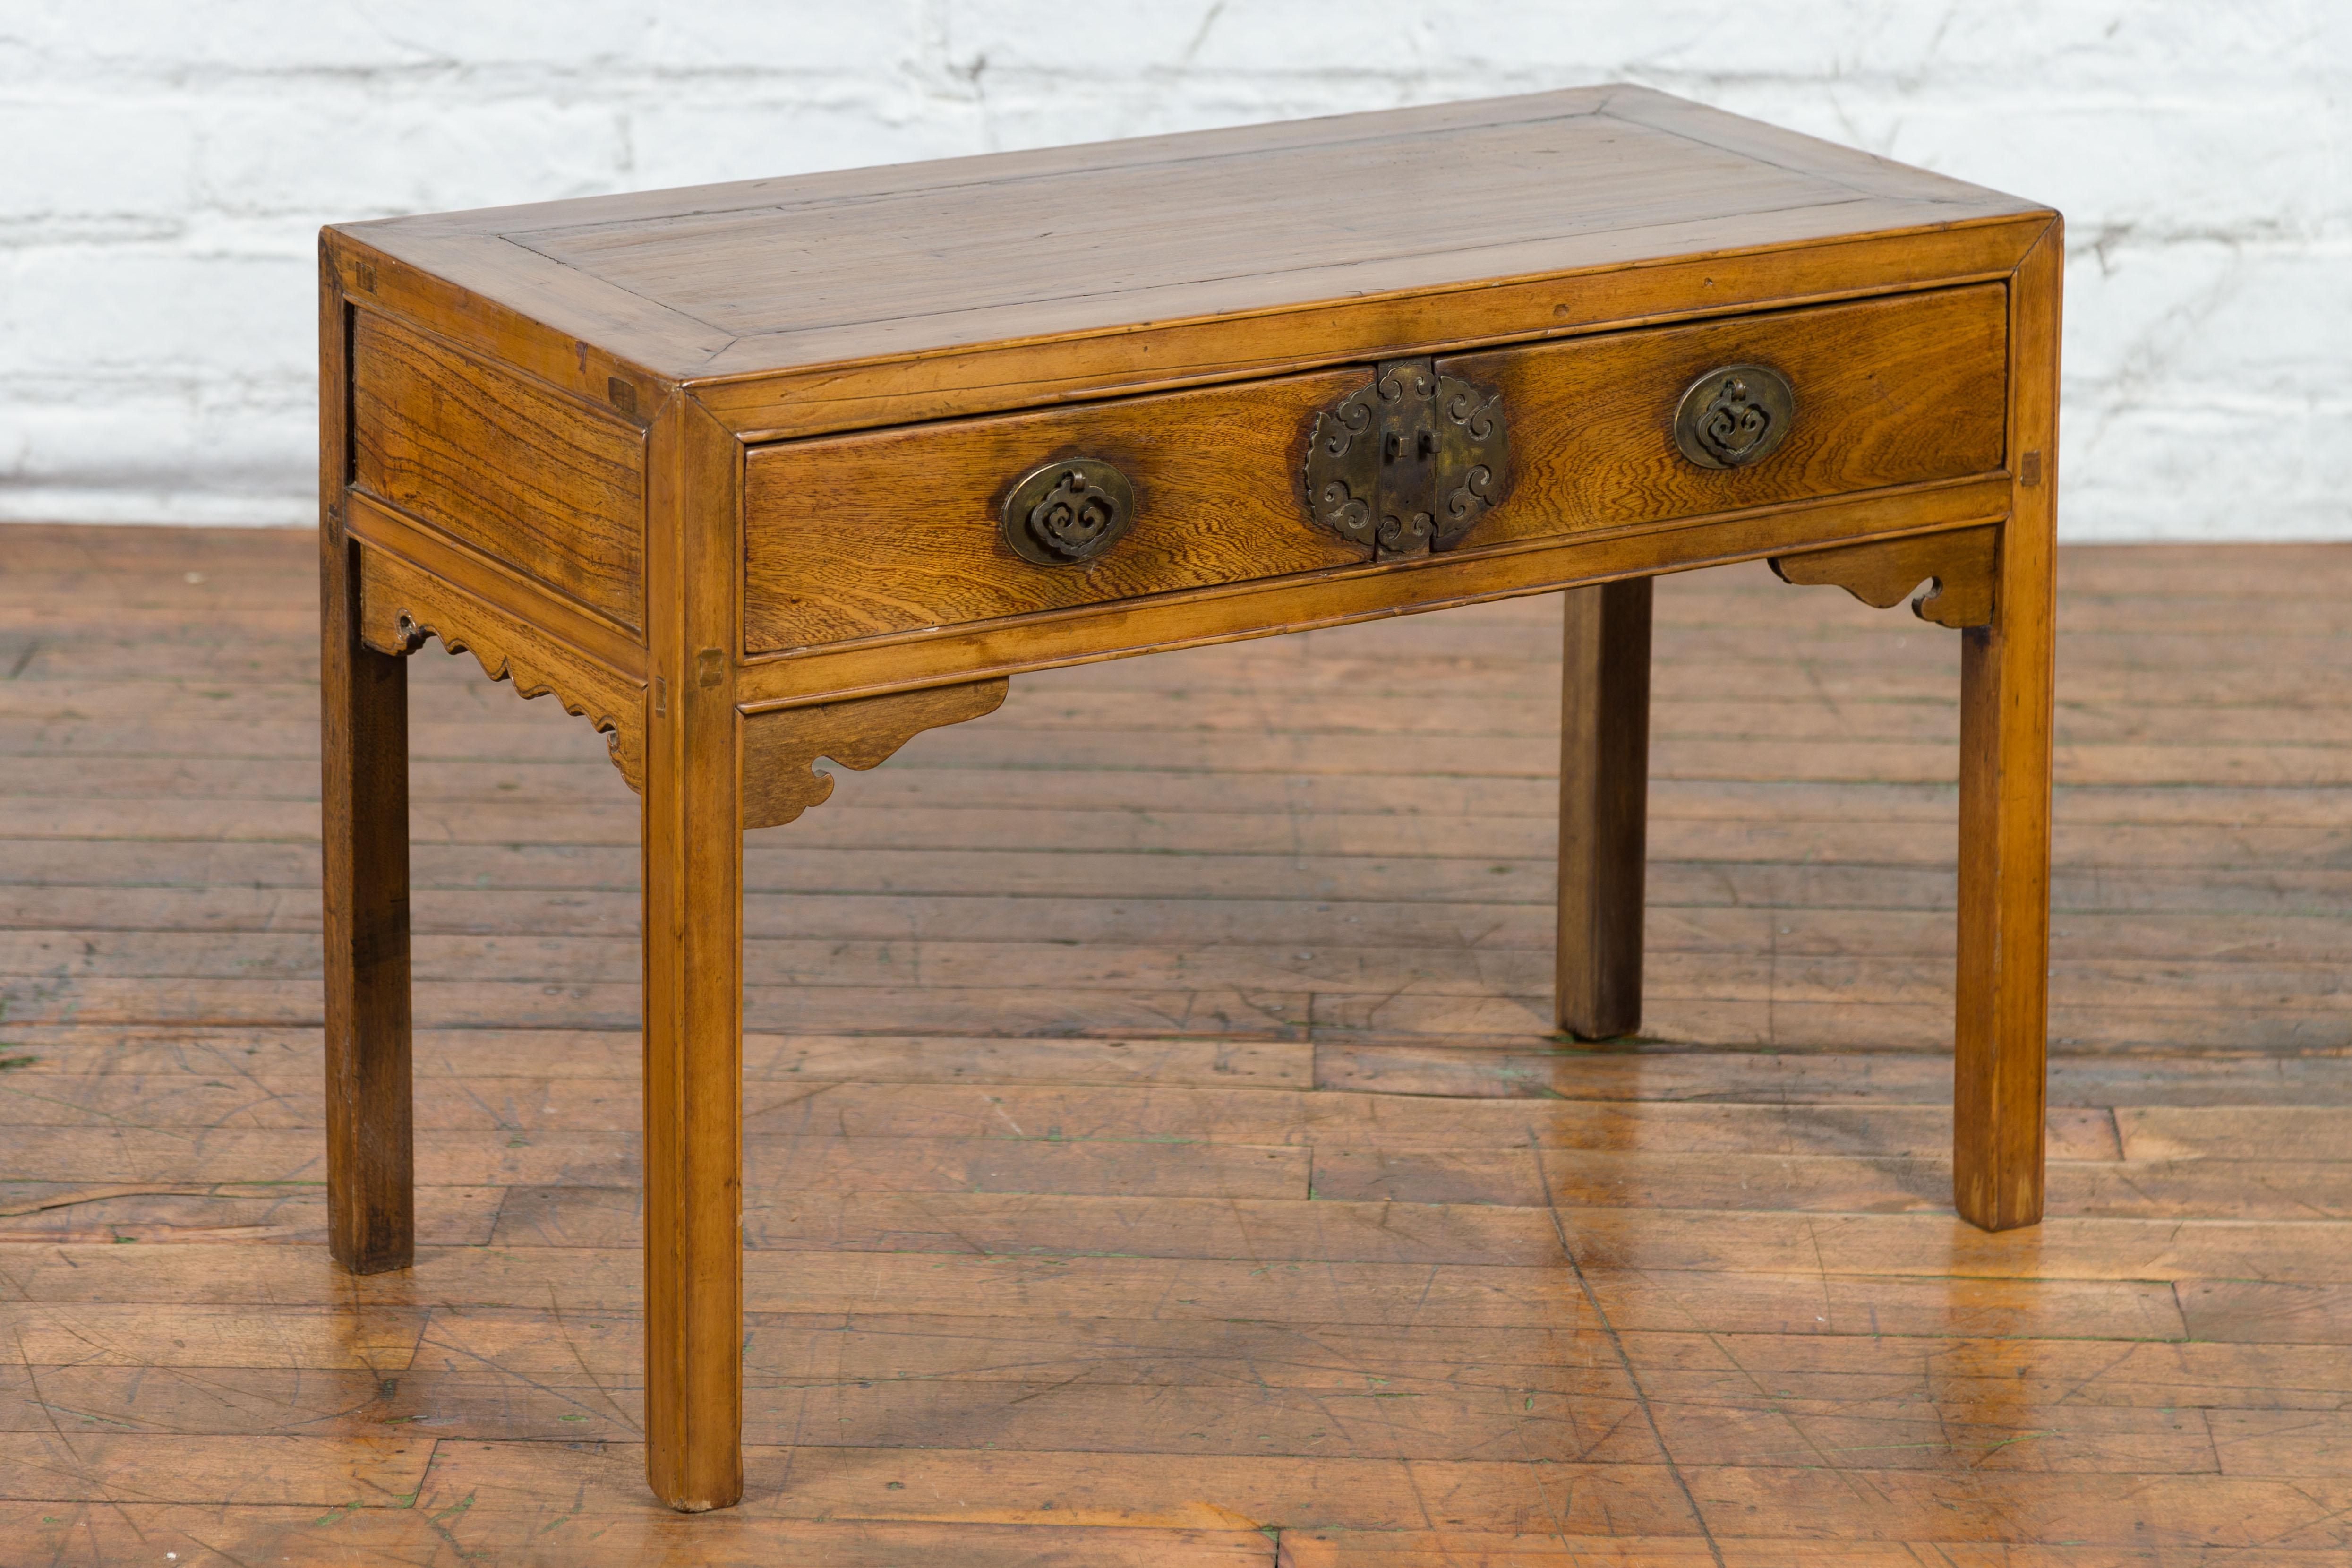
[[772, 274]]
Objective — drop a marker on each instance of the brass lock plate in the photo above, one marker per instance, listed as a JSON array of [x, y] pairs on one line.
[[1409, 463]]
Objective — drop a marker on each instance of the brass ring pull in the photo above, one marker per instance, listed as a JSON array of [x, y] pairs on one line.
[[1733, 416], [1061, 513]]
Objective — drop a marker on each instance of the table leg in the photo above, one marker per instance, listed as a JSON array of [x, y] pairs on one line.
[[693, 1034], [693, 822], [2002, 1018], [1604, 785], [371, 1167], [2000, 1026]]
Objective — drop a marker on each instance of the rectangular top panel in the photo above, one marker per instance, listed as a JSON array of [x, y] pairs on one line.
[[770, 275]]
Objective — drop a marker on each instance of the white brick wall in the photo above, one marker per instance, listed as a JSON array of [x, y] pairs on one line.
[[163, 166]]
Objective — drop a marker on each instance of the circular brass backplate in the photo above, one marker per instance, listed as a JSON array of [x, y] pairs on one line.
[[1733, 416], [1061, 513]]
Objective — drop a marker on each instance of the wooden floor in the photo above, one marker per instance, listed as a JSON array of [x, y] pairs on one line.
[[1157, 1155]]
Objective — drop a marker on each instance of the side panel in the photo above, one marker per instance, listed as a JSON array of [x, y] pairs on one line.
[[538, 481]]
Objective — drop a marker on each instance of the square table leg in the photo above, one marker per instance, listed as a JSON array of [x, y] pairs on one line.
[[693, 839], [2000, 1027], [370, 1165], [693, 1013], [1604, 786], [2002, 1003]]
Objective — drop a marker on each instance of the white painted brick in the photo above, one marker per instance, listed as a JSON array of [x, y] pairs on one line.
[[2080, 43], [130, 163], [146, 451], [2248, 471], [2189, 166], [430, 152], [70, 309], [169, 38], [121, 40], [1025, 114], [1079, 42], [709, 138], [2207, 319], [62, 439], [155, 273], [865, 40]]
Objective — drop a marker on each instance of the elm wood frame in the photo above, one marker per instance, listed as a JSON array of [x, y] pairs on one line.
[[718, 740]]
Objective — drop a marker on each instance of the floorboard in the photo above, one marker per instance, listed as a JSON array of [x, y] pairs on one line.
[[1156, 1153]]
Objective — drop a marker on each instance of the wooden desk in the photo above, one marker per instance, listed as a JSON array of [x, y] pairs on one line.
[[755, 474]]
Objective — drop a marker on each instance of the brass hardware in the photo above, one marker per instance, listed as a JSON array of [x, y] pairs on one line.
[[1410, 463], [1733, 416], [1068, 512]]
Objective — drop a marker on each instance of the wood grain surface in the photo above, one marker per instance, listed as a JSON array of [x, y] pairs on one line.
[[363, 847], [781, 746], [691, 838], [1157, 1151], [861, 535], [875, 297], [535, 480], [1888, 392], [1066, 244], [921, 256], [1604, 786], [900, 530], [1953, 571], [1267, 607], [2008, 738], [402, 606]]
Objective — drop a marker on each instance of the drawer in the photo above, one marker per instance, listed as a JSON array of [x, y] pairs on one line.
[[860, 535], [898, 530], [1886, 392]]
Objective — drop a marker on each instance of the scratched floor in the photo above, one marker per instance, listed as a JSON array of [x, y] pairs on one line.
[[1156, 1153]]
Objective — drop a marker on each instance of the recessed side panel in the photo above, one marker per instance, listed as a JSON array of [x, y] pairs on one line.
[[536, 480]]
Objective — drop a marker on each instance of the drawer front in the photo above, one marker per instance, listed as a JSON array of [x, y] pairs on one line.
[[856, 536], [1886, 392], [897, 530]]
